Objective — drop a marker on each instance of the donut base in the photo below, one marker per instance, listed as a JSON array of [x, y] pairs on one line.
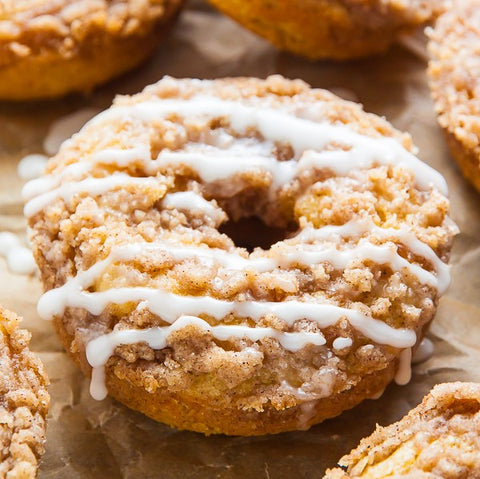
[[50, 75], [314, 30], [185, 413]]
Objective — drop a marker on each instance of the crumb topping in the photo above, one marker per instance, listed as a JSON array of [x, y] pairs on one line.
[[24, 402], [39, 27]]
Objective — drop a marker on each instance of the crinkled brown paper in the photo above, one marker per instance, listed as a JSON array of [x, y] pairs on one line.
[[89, 439]]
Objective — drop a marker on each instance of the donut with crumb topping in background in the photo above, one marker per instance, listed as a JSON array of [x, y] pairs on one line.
[[239, 256], [335, 29], [454, 72], [440, 438], [24, 401], [52, 48]]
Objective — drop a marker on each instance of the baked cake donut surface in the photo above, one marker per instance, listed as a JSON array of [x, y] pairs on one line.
[[439, 439], [24, 402], [169, 315], [49, 48], [336, 29], [454, 78]]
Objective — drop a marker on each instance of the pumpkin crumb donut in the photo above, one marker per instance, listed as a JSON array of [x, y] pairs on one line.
[[454, 78], [335, 29], [49, 48], [438, 439], [24, 402], [239, 256]]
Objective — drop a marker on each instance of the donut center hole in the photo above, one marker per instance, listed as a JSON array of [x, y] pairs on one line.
[[251, 233]]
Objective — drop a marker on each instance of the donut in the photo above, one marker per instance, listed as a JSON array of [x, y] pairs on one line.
[[239, 256], [440, 438], [454, 72], [49, 48], [335, 29], [24, 401]]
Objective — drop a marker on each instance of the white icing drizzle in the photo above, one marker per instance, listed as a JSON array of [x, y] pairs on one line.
[[423, 352], [298, 254], [306, 137], [31, 166], [100, 349], [342, 343], [109, 156], [404, 371], [364, 250], [92, 186], [45, 184], [308, 411], [8, 241], [194, 202], [98, 390], [190, 200], [402, 235], [213, 166], [19, 258], [170, 306], [298, 392], [275, 125]]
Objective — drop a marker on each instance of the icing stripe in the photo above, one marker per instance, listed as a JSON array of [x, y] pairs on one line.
[[100, 349], [191, 201], [404, 371], [280, 126], [93, 186], [306, 254], [297, 254], [170, 306], [402, 235]]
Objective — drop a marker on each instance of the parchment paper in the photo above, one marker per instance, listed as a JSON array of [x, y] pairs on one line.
[[89, 439]]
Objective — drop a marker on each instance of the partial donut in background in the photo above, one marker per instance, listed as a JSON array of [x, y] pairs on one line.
[[331, 29], [24, 401], [440, 438], [50, 48], [454, 72]]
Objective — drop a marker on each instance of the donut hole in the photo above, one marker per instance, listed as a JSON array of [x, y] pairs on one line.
[[252, 232]]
